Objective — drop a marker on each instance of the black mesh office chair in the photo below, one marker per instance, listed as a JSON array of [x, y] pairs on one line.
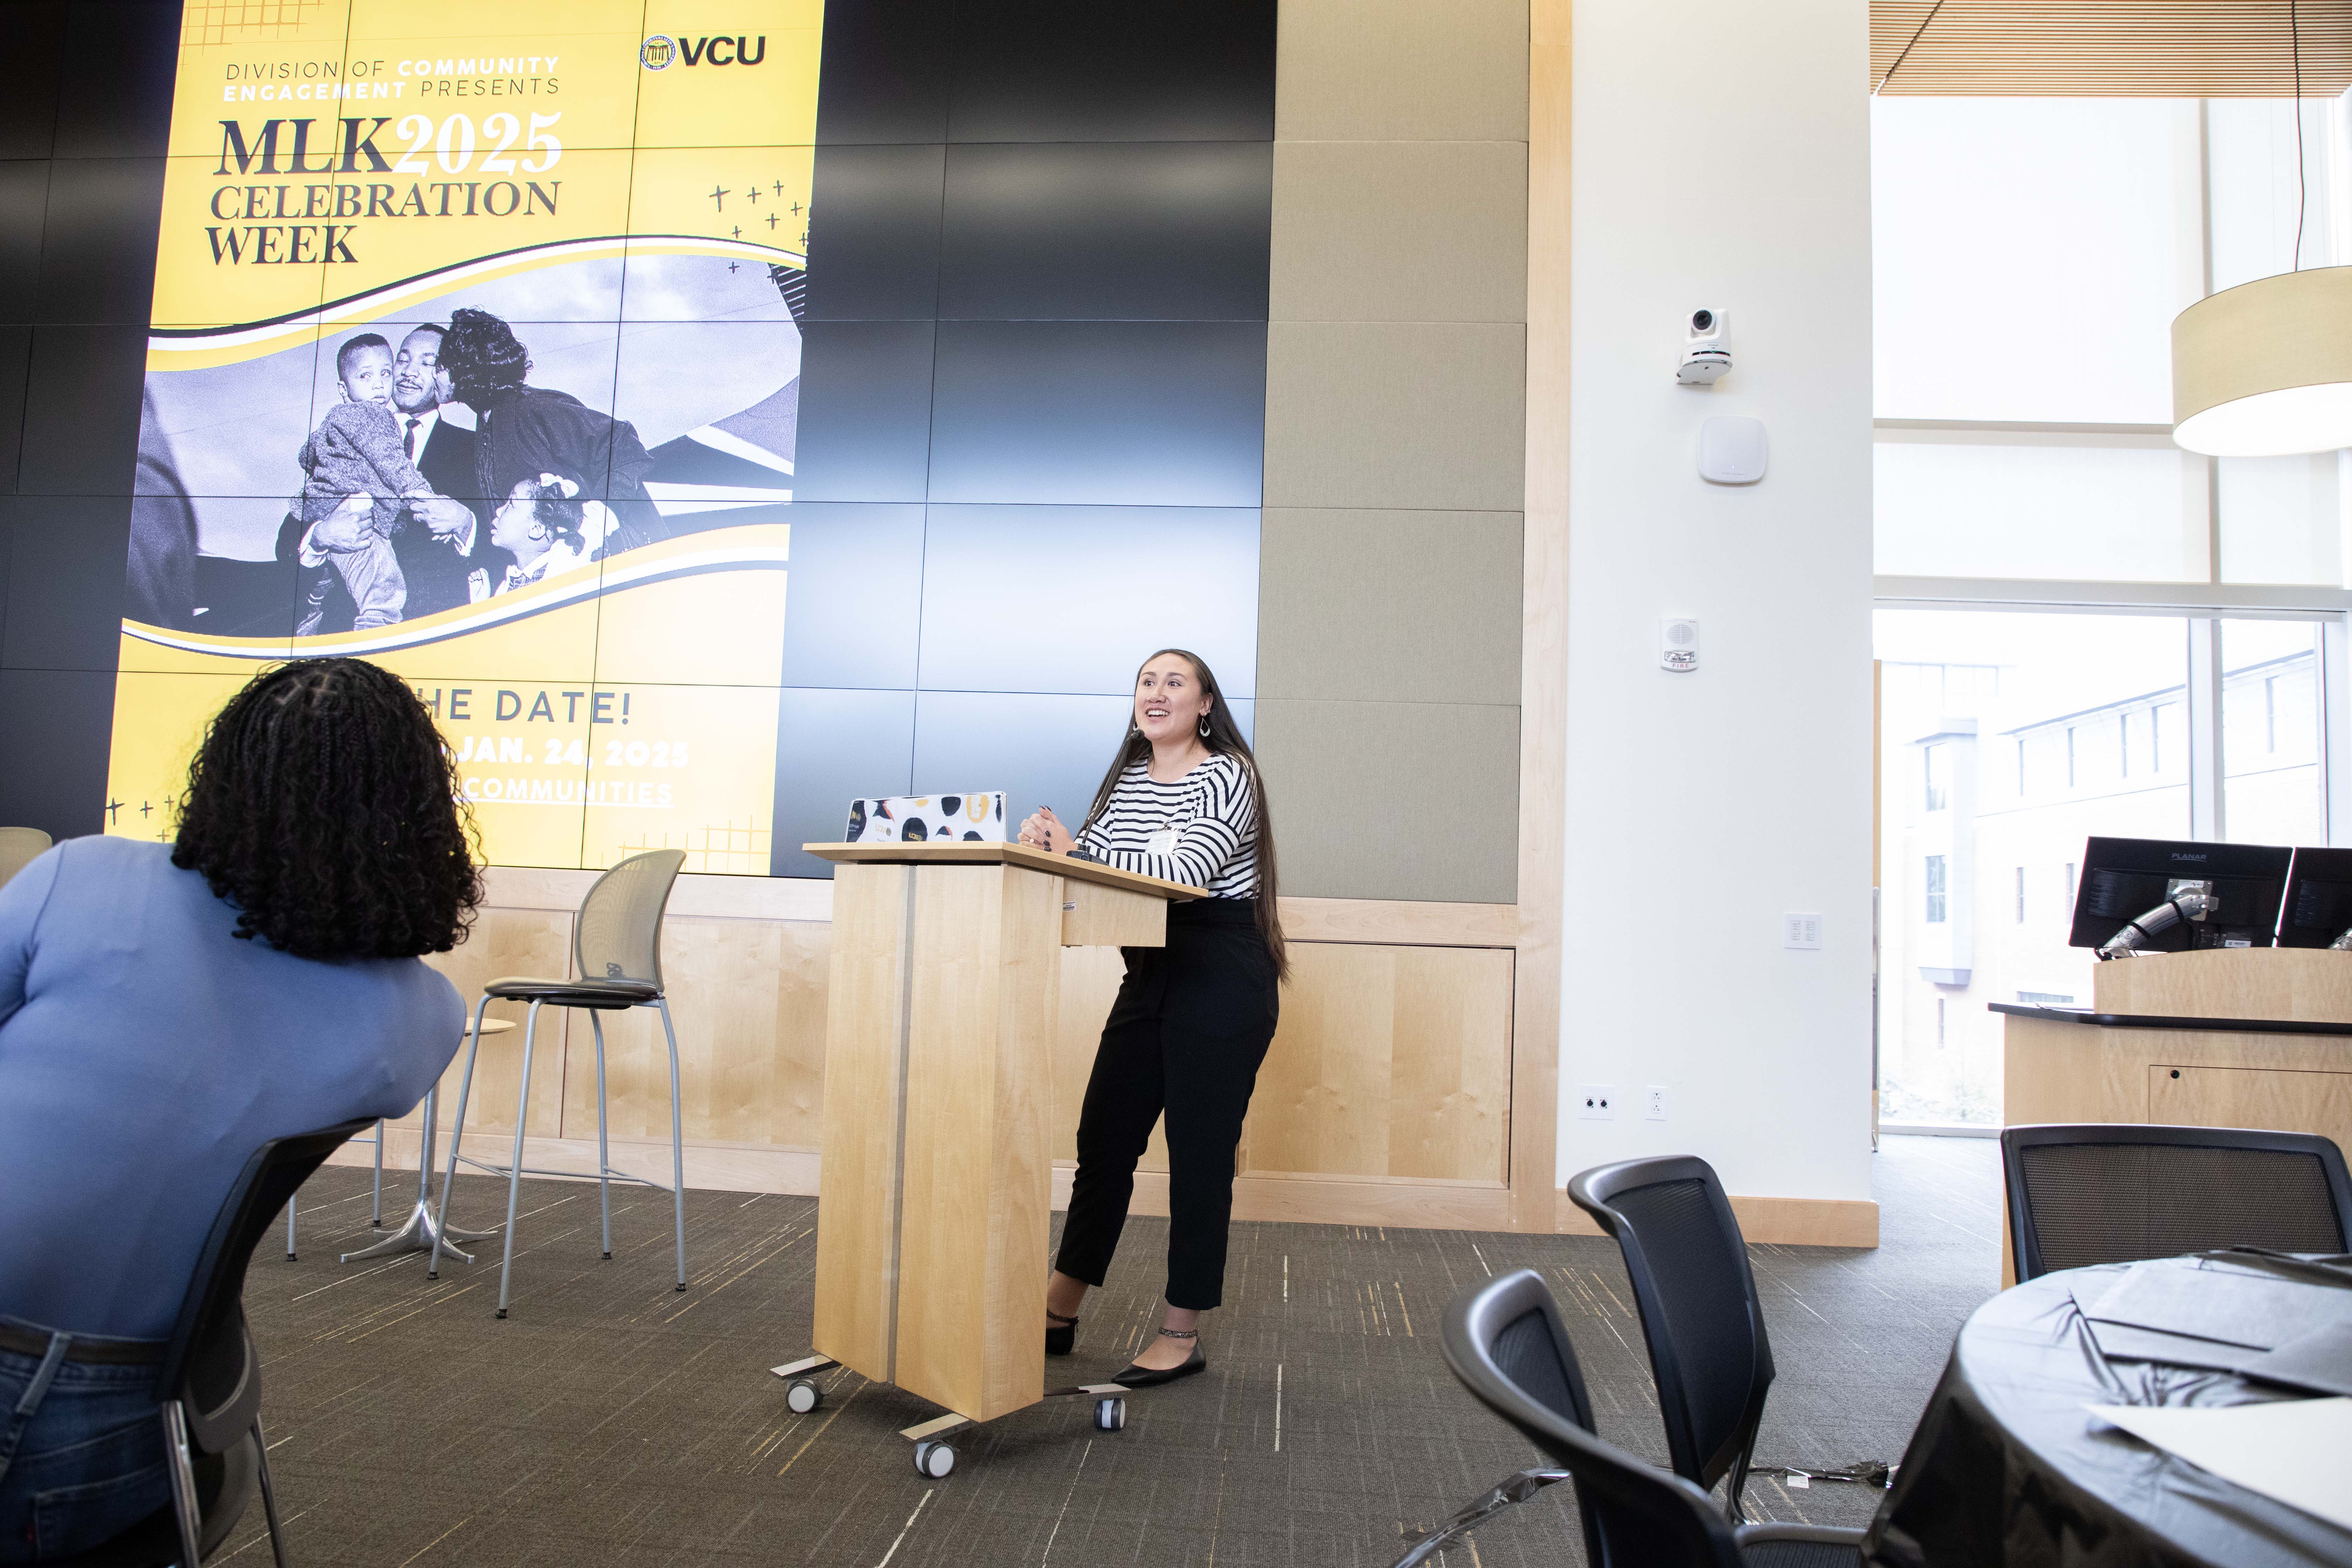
[[210, 1378], [1700, 1314], [1505, 1342], [2119, 1192], [616, 951]]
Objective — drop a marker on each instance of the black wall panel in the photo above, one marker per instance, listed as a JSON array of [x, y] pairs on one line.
[[84, 127], [15, 365], [24, 208], [65, 603], [1118, 230], [866, 411], [81, 411], [1037, 300], [1099, 413], [58, 724], [876, 253], [101, 217], [114, 77], [32, 34], [1138, 70], [884, 78]]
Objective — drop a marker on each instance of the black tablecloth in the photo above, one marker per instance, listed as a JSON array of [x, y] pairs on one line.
[[2007, 1467]]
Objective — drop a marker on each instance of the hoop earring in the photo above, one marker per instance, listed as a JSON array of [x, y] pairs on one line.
[[1204, 726]]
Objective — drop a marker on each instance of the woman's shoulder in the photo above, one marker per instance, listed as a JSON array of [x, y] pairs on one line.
[[1224, 769]]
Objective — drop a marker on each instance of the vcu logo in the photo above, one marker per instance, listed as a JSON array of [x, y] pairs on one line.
[[658, 53]]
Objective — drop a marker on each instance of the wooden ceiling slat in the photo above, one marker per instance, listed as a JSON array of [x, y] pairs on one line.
[[2107, 48]]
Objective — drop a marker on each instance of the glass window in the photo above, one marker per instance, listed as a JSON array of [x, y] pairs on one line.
[[1938, 789], [2280, 520], [1999, 694], [2271, 732], [1950, 509], [2249, 158], [2009, 234]]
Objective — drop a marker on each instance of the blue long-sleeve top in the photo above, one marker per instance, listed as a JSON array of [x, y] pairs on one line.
[[146, 1052]]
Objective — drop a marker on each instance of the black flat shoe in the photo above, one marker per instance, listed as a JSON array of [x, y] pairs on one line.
[[1152, 1377], [1061, 1334]]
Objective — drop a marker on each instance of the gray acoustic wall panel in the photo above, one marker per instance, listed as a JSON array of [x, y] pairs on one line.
[[1399, 231], [1390, 554], [1393, 800], [1401, 607], [1396, 414], [1401, 71]]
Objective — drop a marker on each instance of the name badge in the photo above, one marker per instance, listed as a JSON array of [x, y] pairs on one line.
[[1162, 843]]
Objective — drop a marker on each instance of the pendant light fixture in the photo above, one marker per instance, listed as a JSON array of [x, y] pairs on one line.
[[2265, 369]]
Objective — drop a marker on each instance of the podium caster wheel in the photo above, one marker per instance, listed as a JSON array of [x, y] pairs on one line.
[[1111, 1414], [802, 1395], [934, 1460]]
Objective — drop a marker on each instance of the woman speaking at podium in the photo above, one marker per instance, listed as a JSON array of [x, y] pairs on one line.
[[1182, 800]]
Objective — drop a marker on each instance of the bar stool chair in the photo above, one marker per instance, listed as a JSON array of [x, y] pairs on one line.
[[376, 1217], [616, 949]]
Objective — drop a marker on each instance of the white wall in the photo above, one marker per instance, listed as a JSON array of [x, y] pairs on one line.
[[1722, 158]]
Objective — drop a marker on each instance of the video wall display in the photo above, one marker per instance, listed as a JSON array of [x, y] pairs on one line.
[[717, 412]]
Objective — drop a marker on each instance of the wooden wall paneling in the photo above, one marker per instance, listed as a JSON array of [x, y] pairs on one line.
[[1450, 1064], [1323, 1095], [507, 941], [973, 1221], [1536, 1031], [748, 999], [1396, 922], [856, 1250]]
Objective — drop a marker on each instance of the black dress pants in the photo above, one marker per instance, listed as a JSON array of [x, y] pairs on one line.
[[1185, 1036]]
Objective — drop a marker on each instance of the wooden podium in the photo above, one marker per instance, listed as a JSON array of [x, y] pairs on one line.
[[2252, 1036], [936, 1184]]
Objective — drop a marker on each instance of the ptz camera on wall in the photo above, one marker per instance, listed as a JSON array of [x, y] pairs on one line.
[[1706, 350]]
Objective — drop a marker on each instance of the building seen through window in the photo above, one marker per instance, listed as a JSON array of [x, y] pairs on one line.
[[2082, 629]]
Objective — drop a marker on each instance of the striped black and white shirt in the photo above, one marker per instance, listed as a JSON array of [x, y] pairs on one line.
[[1201, 829]]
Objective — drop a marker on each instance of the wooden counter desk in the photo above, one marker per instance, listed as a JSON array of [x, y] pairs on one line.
[[2254, 1036]]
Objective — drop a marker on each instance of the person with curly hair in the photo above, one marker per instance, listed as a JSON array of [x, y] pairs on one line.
[[526, 431], [165, 1009]]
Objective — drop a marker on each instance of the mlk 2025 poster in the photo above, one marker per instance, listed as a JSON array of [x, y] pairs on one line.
[[475, 353]]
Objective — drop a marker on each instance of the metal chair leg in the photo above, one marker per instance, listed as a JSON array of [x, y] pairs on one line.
[[268, 1495], [514, 1175], [457, 1136], [375, 1213], [603, 1155], [291, 1199], [183, 1480], [676, 1142]]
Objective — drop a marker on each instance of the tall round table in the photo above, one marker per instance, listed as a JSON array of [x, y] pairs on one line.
[[2009, 1468]]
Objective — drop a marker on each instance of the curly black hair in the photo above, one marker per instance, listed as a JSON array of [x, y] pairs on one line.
[[483, 357], [323, 807]]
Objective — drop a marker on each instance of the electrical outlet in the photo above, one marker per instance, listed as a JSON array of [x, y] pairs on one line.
[[1653, 1102], [1599, 1102], [1800, 930]]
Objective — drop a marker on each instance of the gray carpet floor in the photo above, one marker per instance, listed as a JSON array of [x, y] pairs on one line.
[[611, 1419]]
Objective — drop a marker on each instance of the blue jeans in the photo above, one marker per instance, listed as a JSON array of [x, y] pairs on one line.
[[81, 1459]]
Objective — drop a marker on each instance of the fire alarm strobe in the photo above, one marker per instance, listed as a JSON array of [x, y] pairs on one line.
[[1678, 643]]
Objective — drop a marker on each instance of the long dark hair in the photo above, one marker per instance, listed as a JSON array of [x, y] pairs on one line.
[[324, 807], [1224, 739]]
